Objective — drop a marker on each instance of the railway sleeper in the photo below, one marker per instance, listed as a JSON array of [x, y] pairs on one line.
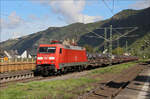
[[16, 77]]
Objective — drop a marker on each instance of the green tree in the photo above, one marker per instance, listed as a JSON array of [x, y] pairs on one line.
[[118, 51], [97, 50], [89, 48]]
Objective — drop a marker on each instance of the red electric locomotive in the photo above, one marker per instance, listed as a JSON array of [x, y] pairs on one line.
[[52, 58]]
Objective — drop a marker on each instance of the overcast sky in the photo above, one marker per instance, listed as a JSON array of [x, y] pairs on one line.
[[23, 17]]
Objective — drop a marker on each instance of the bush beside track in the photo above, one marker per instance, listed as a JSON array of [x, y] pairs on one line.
[[58, 89]]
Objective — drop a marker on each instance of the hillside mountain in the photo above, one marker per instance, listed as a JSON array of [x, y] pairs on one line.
[[125, 18]]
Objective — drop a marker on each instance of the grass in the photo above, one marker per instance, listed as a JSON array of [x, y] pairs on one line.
[[53, 89], [113, 69], [143, 60], [59, 89]]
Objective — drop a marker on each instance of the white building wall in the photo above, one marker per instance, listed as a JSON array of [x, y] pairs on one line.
[[7, 54], [24, 54]]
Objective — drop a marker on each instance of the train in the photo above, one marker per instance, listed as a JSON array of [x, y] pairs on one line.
[[59, 58]]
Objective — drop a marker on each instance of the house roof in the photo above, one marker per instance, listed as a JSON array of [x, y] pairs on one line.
[[2, 54], [13, 52]]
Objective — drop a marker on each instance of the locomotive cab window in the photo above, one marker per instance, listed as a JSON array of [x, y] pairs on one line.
[[47, 49], [60, 51]]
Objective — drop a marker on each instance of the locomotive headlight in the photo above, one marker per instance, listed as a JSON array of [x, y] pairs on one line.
[[40, 58], [51, 58]]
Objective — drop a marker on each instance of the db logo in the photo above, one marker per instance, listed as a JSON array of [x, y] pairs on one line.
[[45, 57]]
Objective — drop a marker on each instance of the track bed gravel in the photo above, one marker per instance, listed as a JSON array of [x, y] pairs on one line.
[[112, 84]]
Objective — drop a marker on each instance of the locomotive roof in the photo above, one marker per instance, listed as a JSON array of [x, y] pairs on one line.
[[63, 46], [49, 45]]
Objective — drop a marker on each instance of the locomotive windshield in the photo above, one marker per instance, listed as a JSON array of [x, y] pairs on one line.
[[47, 49]]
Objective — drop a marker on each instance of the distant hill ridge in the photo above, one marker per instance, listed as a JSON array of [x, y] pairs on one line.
[[125, 18]]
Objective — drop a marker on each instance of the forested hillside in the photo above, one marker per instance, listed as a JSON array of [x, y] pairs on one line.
[[81, 32]]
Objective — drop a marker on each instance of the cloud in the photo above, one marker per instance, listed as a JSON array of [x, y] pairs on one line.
[[88, 19], [141, 4], [70, 10], [12, 22], [33, 17]]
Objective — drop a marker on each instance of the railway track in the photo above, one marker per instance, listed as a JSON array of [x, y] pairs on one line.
[[20, 81], [17, 75], [111, 88], [24, 80]]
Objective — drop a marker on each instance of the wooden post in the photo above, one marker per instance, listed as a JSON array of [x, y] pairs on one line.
[[32, 60]]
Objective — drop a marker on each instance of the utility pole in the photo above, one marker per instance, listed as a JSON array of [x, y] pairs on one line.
[[111, 39], [75, 37], [110, 44], [126, 46], [105, 35], [118, 46]]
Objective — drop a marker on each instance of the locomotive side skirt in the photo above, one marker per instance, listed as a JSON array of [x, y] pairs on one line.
[[72, 64]]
